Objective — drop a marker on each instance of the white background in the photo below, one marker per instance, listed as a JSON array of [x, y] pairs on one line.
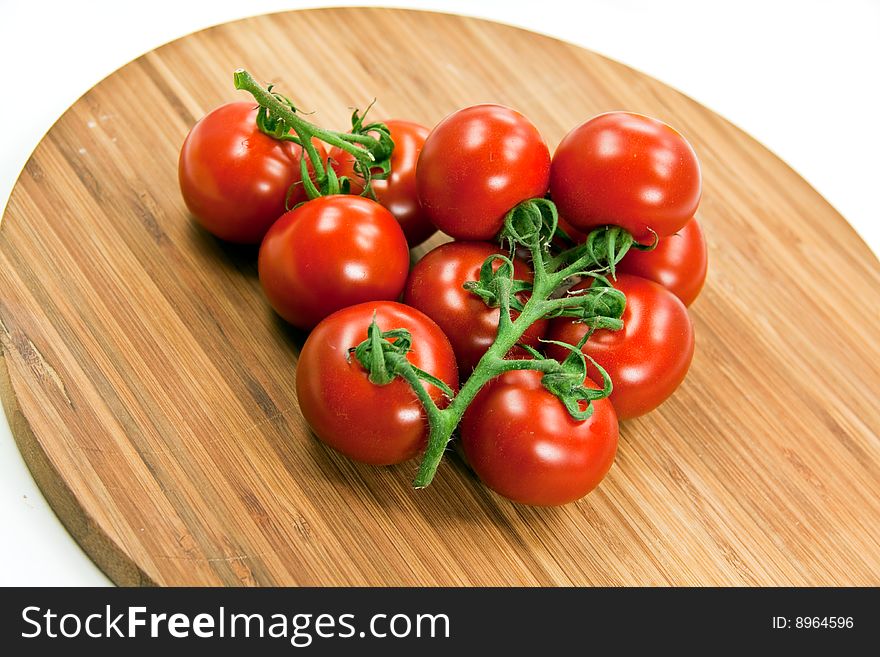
[[801, 77]]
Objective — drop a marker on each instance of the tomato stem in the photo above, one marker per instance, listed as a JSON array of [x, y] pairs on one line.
[[531, 224], [493, 362], [369, 152], [490, 365]]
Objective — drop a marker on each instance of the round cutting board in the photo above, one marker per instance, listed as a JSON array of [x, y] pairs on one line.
[[150, 386]]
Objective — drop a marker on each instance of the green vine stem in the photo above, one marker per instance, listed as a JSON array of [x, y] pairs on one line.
[[603, 248], [530, 224], [370, 145]]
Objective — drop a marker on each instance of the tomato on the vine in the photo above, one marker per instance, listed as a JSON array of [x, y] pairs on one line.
[[378, 380], [234, 178], [679, 263], [648, 358], [370, 423], [628, 170], [435, 287], [398, 191], [329, 253], [476, 165], [523, 443]]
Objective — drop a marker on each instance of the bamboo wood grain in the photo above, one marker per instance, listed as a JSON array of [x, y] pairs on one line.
[[150, 386]]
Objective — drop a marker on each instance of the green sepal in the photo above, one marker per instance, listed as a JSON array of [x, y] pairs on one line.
[[530, 223], [598, 306], [651, 246], [489, 287], [380, 148], [385, 360], [567, 384]]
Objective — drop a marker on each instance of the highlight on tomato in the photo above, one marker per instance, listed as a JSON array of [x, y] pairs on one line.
[[329, 253], [627, 170], [476, 165]]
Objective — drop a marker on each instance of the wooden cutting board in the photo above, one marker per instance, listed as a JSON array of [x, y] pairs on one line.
[[150, 386]]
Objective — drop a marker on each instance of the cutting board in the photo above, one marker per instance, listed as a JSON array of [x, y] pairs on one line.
[[150, 386]]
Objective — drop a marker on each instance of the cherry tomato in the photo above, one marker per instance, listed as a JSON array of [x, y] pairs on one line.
[[679, 263], [234, 179], [523, 443], [398, 191], [435, 287], [329, 253], [476, 165], [375, 424], [648, 358], [628, 170]]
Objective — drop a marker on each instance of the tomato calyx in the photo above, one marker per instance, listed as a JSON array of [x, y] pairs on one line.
[[567, 383], [599, 306], [603, 248], [383, 356], [380, 147], [531, 223], [496, 285], [370, 145]]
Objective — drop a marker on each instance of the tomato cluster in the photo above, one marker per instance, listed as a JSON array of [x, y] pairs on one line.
[[399, 356]]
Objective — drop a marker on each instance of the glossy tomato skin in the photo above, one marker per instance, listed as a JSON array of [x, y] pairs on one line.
[[476, 165], [679, 263], [628, 170], [329, 253], [379, 425], [648, 358], [398, 191], [435, 287], [522, 442], [234, 179]]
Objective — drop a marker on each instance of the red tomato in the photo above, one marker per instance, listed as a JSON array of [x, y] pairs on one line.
[[648, 358], [329, 253], [435, 287], [679, 263], [375, 424], [476, 165], [628, 170], [234, 179], [577, 236], [523, 443], [398, 191]]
